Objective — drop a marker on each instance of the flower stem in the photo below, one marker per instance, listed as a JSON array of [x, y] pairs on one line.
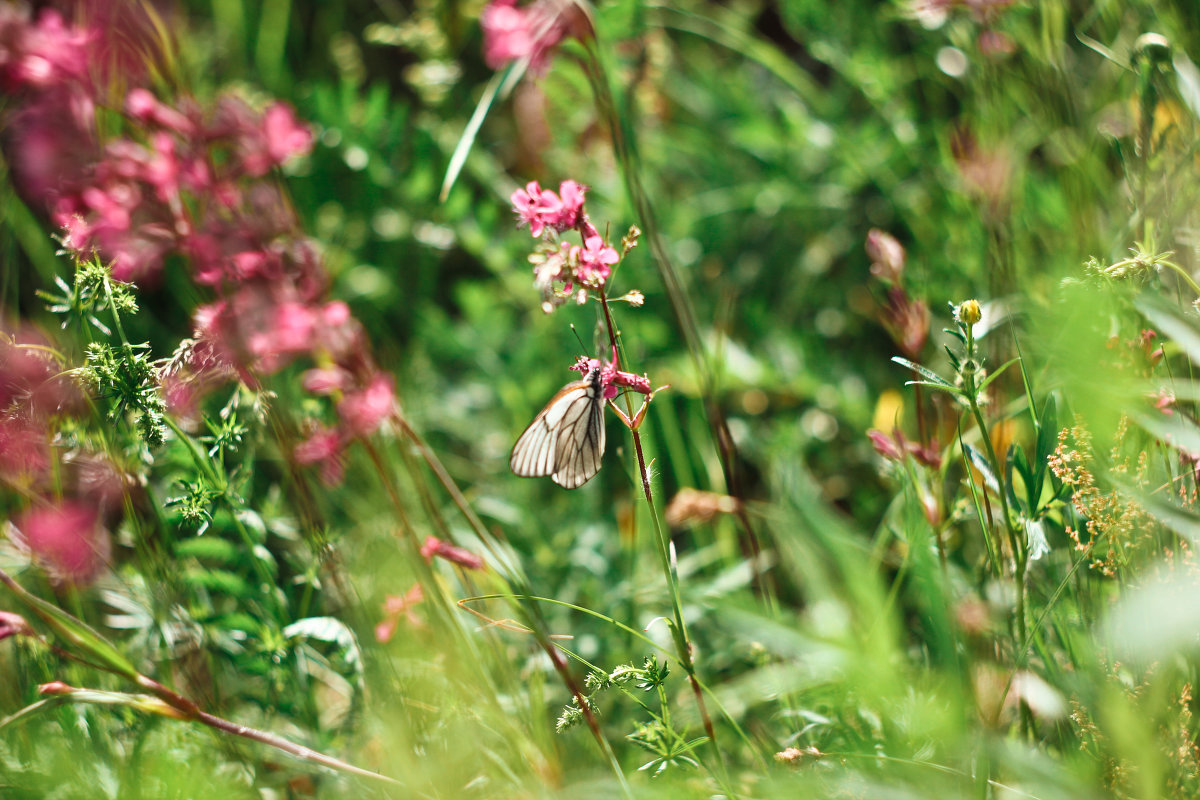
[[683, 645]]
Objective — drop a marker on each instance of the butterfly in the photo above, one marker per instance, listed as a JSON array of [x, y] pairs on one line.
[[566, 439]]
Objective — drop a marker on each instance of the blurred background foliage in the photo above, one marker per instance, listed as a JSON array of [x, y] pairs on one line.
[[995, 140]]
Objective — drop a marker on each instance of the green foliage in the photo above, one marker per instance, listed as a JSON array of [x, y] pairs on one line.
[[996, 601]]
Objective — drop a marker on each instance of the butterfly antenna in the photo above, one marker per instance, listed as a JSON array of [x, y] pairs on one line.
[[582, 346]]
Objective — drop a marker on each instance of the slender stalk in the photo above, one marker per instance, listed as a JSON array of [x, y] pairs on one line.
[[625, 147], [679, 632], [1019, 550]]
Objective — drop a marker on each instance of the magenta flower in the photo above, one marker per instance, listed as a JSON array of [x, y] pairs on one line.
[[395, 606], [24, 451], [45, 53], [512, 32], [571, 195], [326, 448], [595, 261], [536, 207], [507, 33], [325, 381], [435, 547], [67, 539], [363, 411], [896, 446], [611, 377], [12, 625]]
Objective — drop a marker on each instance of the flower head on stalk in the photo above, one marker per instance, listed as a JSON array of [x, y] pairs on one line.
[[563, 271], [513, 32]]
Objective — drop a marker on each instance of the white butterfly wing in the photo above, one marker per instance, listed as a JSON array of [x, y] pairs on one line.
[[580, 443], [566, 440]]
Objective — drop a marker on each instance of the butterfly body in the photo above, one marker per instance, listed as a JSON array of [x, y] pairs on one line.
[[566, 439]]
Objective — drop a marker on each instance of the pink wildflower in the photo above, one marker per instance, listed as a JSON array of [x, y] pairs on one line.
[[324, 447], [435, 547], [907, 320], [571, 196], [595, 261], [535, 207], [325, 380], [512, 32], [286, 136], [895, 447], [395, 606], [24, 451], [67, 539], [886, 254], [12, 625], [611, 377], [363, 411]]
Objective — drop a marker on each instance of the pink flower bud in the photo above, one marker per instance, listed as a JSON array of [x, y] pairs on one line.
[[464, 558], [886, 254]]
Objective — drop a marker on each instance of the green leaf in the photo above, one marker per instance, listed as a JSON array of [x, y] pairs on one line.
[[928, 373], [1175, 431], [987, 381], [208, 548], [980, 462], [1170, 323], [458, 159], [75, 633]]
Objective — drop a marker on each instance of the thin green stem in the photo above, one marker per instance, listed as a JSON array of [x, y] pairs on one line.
[[683, 644]]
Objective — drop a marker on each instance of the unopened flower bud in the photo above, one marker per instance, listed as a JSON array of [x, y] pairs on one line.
[[969, 312], [886, 254]]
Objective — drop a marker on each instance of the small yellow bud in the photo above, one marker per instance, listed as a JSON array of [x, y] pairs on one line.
[[969, 312]]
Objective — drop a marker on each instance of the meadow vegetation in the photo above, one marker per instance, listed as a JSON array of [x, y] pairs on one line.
[[892, 307]]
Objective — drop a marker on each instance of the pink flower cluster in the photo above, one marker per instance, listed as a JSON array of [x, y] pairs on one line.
[[905, 318], [192, 181], [72, 493], [559, 266], [611, 377], [512, 32]]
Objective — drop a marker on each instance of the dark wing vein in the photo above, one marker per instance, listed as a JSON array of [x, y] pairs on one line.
[[580, 443], [536, 452]]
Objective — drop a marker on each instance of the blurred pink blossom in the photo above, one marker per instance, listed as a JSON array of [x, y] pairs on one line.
[[395, 606], [595, 261], [67, 539], [12, 625], [886, 254], [363, 411], [324, 447], [435, 547], [512, 32], [325, 380], [896, 446]]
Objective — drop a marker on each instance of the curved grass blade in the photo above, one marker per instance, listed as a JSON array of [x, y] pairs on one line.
[[500, 84]]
